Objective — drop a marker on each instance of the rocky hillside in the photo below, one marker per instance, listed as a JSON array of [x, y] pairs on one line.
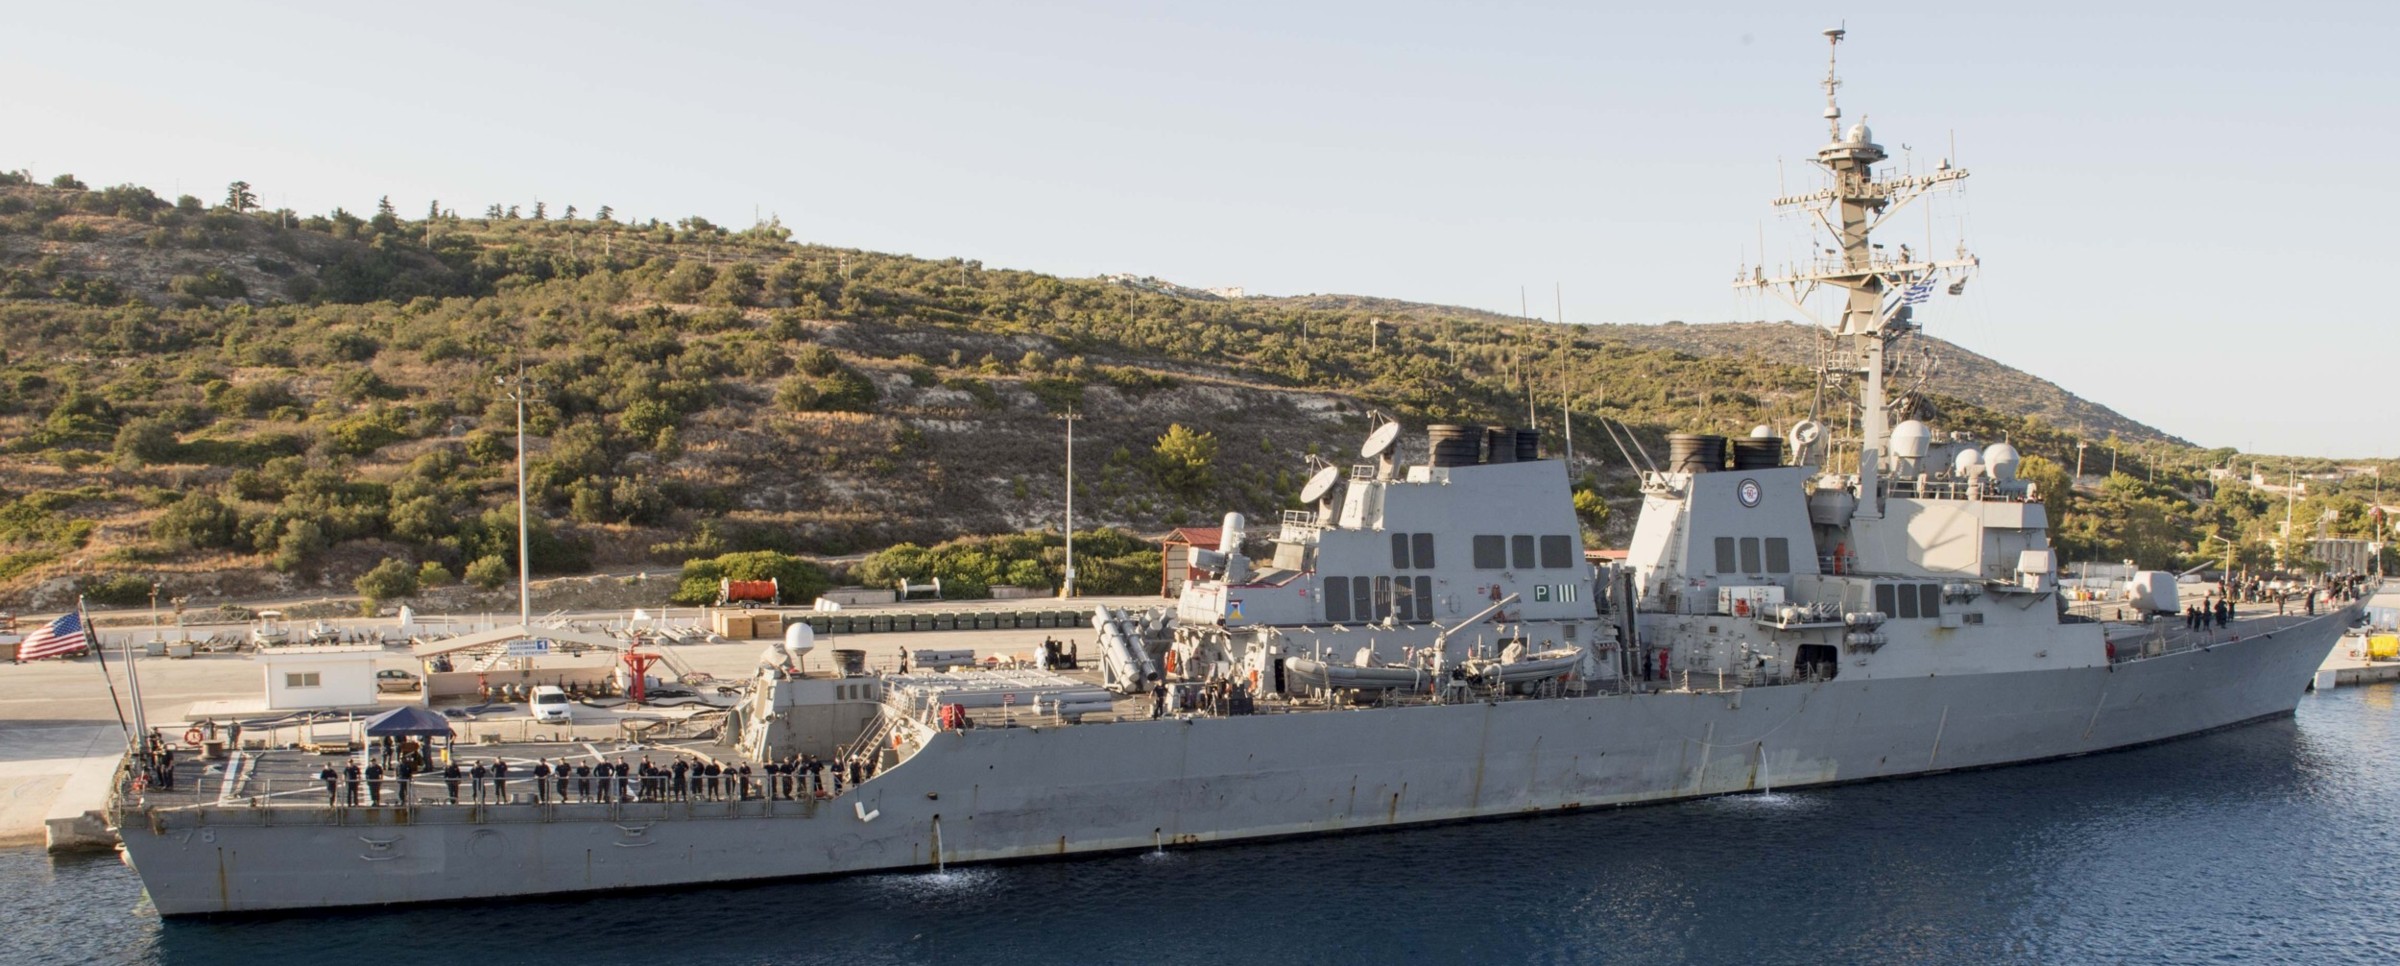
[[1960, 373], [236, 402]]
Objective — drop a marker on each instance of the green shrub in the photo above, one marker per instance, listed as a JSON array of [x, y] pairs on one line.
[[196, 521], [390, 580], [801, 580], [146, 440], [489, 572], [121, 590]]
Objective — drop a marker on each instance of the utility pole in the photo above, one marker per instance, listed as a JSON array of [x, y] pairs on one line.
[[524, 542], [1066, 584], [2078, 480], [2291, 496]]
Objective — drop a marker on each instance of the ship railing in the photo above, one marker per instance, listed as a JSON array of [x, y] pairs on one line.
[[1300, 526], [303, 802], [1933, 489]]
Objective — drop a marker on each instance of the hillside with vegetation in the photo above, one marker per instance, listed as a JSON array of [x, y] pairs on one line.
[[235, 402]]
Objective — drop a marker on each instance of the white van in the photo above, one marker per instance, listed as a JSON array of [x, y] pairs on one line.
[[551, 704]]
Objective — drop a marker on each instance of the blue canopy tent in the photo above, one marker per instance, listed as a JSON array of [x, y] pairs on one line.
[[407, 721]]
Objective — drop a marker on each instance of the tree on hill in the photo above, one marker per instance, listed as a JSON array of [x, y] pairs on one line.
[[1182, 459], [239, 197], [390, 580], [488, 572]]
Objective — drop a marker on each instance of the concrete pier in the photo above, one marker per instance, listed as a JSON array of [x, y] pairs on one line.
[[2349, 664], [54, 782]]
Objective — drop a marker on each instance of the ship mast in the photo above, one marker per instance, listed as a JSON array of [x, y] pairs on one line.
[[1850, 209]]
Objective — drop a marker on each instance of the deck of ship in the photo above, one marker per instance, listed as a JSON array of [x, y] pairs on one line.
[[290, 777], [2136, 639]]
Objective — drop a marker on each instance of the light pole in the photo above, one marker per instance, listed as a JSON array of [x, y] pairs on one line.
[[524, 542], [2078, 481], [2291, 497], [1066, 583]]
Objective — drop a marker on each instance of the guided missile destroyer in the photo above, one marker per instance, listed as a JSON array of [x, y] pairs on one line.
[[1426, 642]]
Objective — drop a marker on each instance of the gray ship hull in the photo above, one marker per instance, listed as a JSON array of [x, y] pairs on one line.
[[1019, 793]]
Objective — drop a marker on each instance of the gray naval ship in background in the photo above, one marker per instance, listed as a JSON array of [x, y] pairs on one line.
[[1427, 643]]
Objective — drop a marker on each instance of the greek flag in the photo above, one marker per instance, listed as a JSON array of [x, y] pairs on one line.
[[1919, 293]]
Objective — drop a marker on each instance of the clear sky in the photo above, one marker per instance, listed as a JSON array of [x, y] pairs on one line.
[[2184, 211]]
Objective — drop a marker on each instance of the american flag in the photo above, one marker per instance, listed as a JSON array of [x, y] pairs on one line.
[[63, 636]]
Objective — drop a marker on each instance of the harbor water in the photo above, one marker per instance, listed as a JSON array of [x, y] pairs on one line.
[[2272, 842]]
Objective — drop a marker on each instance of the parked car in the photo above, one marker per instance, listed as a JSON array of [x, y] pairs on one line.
[[550, 704], [394, 679]]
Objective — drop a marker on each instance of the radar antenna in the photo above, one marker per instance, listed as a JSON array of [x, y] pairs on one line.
[[1319, 490], [1878, 291], [1380, 445], [1833, 82]]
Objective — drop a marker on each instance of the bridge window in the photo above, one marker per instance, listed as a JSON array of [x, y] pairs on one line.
[[1404, 599], [1725, 555], [1558, 553], [1520, 551], [1779, 555], [1491, 552], [1423, 544], [1751, 564], [1337, 599], [1383, 597], [1399, 551], [1424, 598], [1909, 601], [1362, 599]]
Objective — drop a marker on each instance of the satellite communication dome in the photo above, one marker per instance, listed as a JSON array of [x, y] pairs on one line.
[[2002, 458], [1969, 463], [1860, 135], [1910, 440], [1762, 431], [798, 640]]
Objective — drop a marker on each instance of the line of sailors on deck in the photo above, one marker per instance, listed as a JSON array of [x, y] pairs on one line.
[[688, 779], [2216, 611]]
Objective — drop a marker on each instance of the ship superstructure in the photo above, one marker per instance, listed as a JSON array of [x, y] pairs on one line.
[[1929, 556], [1425, 641]]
